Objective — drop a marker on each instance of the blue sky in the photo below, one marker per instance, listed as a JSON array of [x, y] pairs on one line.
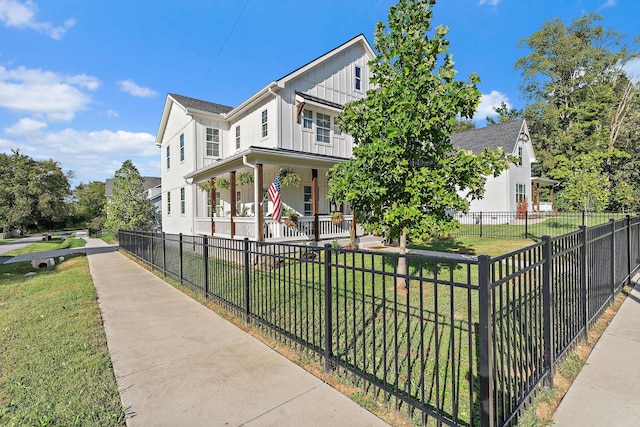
[[84, 82]]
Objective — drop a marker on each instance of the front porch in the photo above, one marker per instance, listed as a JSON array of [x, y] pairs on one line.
[[274, 231], [232, 199]]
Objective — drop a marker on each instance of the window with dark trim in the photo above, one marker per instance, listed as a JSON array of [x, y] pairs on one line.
[[358, 78]]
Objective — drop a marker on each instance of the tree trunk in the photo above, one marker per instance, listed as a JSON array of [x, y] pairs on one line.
[[401, 282]]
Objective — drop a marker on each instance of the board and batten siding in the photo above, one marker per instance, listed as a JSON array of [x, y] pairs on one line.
[[520, 174], [332, 81]]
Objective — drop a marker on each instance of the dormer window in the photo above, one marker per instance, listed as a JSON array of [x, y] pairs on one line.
[[358, 78]]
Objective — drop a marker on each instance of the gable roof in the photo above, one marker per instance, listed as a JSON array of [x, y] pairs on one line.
[[503, 135], [198, 104]]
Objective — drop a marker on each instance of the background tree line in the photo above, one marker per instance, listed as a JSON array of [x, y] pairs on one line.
[[36, 195]]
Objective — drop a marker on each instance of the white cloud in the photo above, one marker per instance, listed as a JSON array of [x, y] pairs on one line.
[[36, 91], [14, 13], [488, 102], [112, 114], [490, 2], [25, 126], [632, 68], [130, 87], [609, 3], [91, 155]]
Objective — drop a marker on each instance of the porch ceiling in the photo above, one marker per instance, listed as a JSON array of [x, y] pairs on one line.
[[266, 156]]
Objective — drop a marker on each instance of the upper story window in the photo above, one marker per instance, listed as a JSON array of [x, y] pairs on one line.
[[182, 147], [307, 119], [168, 202], [237, 137], [168, 156], [213, 142], [358, 78], [520, 156], [336, 127], [323, 127], [182, 201], [265, 129]]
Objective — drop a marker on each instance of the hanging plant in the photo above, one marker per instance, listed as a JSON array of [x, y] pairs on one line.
[[223, 183], [205, 186], [245, 178], [289, 177]]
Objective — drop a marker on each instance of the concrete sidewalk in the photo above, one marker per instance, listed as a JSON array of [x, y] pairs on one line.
[[607, 390], [177, 363]]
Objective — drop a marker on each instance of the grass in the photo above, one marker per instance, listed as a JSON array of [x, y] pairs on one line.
[[56, 369], [473, 245], [49, 245], [108, 236]]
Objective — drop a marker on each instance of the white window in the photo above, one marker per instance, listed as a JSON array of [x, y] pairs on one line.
[[520, 155], [336, 128], [308, 200], [358, 78], [213, 142], [168, 202], [521, 193], [182, 201], [307, 119], [237, 137], [168, 157], [265, 129], [323, 127], [182, 147]]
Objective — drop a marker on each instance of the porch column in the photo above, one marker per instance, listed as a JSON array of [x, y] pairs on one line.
[[213, 205], [538, 195], [533, 195], [553, 209], [232, 179], [257, 203], [314, 203]]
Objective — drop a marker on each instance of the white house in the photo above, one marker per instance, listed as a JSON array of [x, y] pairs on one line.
[[514, 185], [218, 161]]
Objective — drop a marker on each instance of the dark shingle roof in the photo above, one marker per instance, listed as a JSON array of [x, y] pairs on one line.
[[201, 105], [503, 135]]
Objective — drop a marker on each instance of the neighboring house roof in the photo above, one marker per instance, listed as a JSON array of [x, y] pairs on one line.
[[503, 135], [198, 104], [149, 182]]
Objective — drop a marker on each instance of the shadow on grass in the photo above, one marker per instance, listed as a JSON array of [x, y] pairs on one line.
[[444, 245]]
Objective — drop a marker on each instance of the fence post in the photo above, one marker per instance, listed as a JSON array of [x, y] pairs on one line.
[[180, 252], [547, 311], [245, 280], [164, 254], [480, 224], [485, 344], [205, 257], [328, 324], [628, 249], [584, 286], [613, 260]]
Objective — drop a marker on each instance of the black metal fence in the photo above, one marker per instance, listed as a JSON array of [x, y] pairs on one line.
[[527, 225], [455, 341]]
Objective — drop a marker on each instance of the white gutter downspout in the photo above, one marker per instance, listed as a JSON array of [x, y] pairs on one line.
[[256, 196]]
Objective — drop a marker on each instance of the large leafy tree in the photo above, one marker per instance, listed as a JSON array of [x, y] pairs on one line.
[[90, 200], [405, 174], [33, 194], [128, 206], [580, 97]]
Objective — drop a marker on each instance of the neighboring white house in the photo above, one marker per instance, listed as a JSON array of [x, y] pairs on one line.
[[289, 124], [512, 186]]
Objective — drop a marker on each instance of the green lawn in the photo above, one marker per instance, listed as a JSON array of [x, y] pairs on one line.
[[55, 365], [49, 245]]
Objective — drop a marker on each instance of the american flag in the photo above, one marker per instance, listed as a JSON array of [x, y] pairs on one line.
[[274, 196]]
